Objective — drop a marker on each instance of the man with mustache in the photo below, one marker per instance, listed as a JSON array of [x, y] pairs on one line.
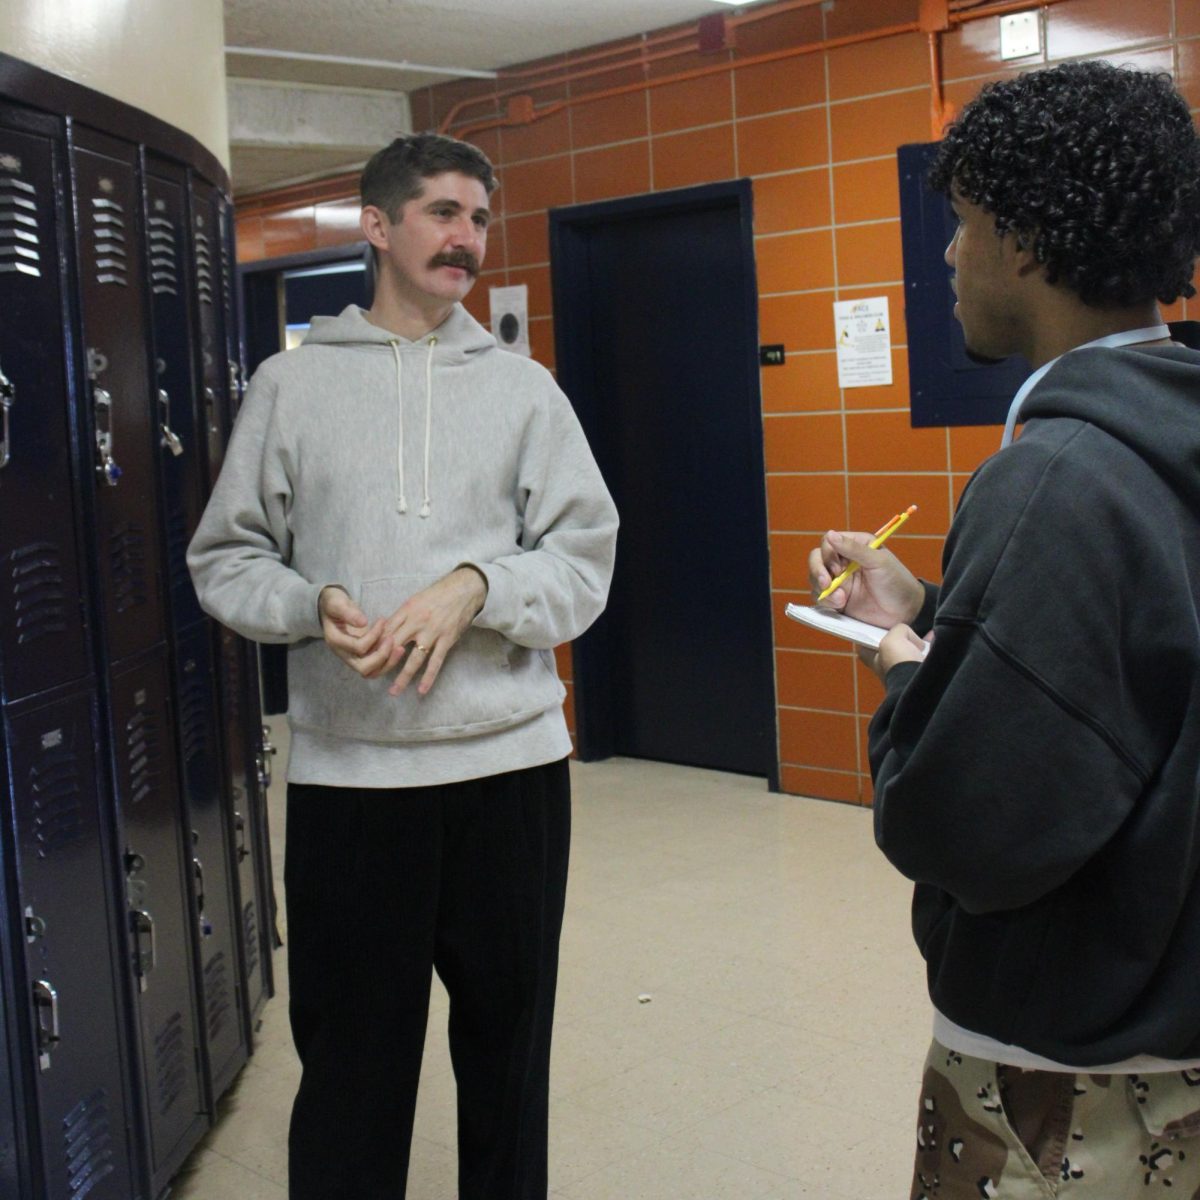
[[416, 512], [1037, 773]]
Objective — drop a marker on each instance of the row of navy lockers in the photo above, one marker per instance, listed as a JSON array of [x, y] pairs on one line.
[[135, 923]]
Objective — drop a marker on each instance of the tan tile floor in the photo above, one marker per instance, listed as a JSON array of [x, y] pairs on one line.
[[779, 1052]]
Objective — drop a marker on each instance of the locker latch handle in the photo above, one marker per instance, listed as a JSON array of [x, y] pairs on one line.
[[106, 465], [263, 758], [142, 923], [206, 926], [210, 405], [45, 1002], [170, 439], [239, 825], [8, 397]]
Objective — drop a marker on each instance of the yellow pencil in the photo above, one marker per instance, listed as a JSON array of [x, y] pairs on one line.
[[881, 535]]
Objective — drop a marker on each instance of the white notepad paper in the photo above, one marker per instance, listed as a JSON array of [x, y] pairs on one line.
[[838, 624]]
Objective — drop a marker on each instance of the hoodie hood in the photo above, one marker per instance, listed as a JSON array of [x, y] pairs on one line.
[[458, 337], [1106, 387], [454, 342]]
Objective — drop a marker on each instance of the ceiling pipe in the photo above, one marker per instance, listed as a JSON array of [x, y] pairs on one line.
[[342, 60], [934, 20], [732, 20], [937, 11]]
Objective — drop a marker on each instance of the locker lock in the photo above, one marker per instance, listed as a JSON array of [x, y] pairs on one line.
[[8, 397]]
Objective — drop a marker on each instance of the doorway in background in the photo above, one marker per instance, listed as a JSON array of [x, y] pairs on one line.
[[656, 324]]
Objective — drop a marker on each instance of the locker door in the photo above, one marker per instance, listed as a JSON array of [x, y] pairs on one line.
[[43, 631], [255, 847], [15, 1140], [206, 270], [159, 911], [64, 893], [211, 839], [241, 780], [178, 429], [115, 337]]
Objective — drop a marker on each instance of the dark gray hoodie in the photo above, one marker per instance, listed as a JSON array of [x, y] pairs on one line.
[[1038, 774], [380, 464]]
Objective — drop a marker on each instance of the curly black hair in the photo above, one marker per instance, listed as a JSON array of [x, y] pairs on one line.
[[1096, 167]]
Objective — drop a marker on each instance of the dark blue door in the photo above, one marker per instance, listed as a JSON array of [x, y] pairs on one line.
[[655, 314]]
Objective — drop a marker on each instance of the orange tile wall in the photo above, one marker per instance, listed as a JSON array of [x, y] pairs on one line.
[[818, 135]]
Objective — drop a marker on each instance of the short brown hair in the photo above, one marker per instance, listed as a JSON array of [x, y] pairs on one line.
[[395, 175]]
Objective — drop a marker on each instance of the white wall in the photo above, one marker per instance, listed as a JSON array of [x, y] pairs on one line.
[[163, 56]]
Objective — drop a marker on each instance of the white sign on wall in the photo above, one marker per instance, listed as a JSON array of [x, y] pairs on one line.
[[510, 318], [864, 342]]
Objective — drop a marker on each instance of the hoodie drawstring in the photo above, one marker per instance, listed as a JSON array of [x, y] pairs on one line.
[[401, 501], [428, 421]]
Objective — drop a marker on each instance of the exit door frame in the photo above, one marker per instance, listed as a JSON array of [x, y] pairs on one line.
[[574, 343]]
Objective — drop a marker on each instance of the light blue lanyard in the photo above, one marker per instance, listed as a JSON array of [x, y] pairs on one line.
[[1152, 333]]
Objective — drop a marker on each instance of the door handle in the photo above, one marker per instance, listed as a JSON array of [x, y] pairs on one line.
[[45, 1003], [8, 397], [170, 440], [141, 924], [106, 465]]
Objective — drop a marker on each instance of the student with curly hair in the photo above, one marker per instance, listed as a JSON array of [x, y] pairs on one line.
[[1037, 772]]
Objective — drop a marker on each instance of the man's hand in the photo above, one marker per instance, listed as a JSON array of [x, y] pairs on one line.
[[424, 629], [362, 647], [883, 591], [899, 645]]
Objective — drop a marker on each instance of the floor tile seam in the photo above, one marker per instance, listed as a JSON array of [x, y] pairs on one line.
[[246, 1167]]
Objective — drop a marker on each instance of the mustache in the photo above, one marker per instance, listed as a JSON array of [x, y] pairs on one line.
[[463, 259]]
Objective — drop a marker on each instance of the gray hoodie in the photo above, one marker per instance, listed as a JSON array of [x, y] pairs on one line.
[[380, 464]]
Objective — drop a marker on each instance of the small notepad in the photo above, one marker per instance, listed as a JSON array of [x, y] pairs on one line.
[[828, 621]]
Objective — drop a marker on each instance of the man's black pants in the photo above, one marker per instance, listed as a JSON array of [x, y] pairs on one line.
[[383, 885]]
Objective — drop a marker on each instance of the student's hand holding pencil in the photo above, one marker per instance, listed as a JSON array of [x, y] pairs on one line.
[[881, 590]]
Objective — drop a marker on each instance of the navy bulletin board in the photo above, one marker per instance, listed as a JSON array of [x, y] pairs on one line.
[[945, 386]]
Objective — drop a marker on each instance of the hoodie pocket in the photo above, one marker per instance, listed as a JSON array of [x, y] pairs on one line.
[[486, 683]]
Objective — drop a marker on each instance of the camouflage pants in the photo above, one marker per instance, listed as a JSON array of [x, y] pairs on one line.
[[986, 1130]]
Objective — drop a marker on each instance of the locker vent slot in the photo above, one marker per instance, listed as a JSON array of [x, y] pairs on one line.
[[20, 248], [226, 277], [164, 263], [89, 1146], [216, 994], [57, 800], [193, 709], [108, 242], [204, 268], [170, 1063], [39, 593], [144, 750], [127, 557], [250, 928]]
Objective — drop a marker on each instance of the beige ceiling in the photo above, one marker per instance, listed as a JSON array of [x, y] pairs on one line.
[[454, 36]]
